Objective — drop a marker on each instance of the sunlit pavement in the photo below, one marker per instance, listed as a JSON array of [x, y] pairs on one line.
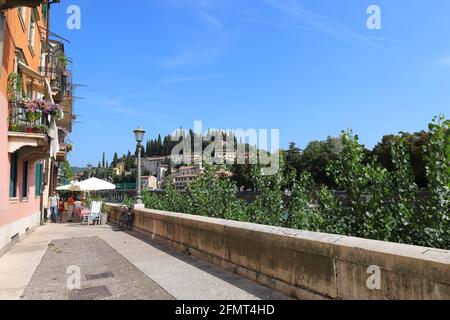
[[123, 265]]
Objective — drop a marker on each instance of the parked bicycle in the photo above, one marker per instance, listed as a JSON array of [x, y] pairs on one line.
[[126, 218]]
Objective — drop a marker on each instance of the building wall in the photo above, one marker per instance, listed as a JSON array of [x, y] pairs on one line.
[[18, 215]]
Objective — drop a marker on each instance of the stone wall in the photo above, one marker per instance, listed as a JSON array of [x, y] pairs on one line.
[[304, 265]]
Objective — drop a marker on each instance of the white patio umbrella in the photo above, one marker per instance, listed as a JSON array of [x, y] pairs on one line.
[[68, 187], [92, 184]]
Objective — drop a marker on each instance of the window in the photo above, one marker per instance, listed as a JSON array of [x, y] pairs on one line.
[[22, 16], [2, 36], [25, 179], [38, 179], [42, 60], [13, 176], [44, 12], [31, 31]]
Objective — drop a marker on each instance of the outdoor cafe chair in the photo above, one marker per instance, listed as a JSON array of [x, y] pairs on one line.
[[94, 214]]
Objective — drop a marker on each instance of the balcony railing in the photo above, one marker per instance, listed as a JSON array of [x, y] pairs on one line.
[[23, 120], [10, 4], [60, 80]]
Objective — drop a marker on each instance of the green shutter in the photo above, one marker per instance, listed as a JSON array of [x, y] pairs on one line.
[[25, 179], [13, 176], [38, 179]]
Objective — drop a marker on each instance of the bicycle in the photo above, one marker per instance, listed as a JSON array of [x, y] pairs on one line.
[[126, 218]]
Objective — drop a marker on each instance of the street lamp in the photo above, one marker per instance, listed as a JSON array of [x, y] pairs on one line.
[[89, 167], [139, 135]]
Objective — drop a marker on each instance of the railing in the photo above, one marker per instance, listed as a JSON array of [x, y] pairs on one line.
[[60, 79], [117, 196], [10, 4], [22, 120]]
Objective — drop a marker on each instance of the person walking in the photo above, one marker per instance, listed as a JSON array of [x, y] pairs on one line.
[[61, 210], [54, 201], [71, 204]]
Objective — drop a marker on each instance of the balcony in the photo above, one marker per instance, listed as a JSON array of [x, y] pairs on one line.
[[64, 147], [60, 81], [28, 128], [11, 4], [25, 120], [59, 75]]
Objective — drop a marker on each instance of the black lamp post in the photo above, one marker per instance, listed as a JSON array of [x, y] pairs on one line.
[[139, 135]]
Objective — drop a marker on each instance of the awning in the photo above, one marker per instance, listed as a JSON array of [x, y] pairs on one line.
[[30, 72], [41, 86]]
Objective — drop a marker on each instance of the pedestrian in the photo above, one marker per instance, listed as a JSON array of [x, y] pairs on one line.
[[54, 201], [71, 204], [61, 209]]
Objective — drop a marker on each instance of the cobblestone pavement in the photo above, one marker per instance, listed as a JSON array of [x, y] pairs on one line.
[[133, 268], [99, 265]]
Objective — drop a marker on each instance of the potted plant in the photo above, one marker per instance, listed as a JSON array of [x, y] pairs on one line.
[[53, 109], [69, 147], [40, 129], [63, 59], [106, 211], [14, 87], [14, 127]]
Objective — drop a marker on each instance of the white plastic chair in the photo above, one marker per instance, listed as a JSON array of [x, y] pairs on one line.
[[96, 212]]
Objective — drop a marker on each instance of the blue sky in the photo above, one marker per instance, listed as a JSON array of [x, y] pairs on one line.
[[310, 68]]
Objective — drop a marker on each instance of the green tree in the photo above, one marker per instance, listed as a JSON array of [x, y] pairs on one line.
[[215, 196], [438, 167], [268, 206], [316, 157], [301, 213], [414, 144], [115, 160], [293, 156], [366, 187]]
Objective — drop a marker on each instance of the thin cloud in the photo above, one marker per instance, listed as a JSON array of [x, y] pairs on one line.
[[320, 22], [205, 51], [278, 24], [199, 55], [201, 9], [186, 79], [210, 20], [115, 105]]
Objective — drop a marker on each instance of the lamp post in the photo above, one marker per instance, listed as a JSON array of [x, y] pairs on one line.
[[139, 135], [89, 167]]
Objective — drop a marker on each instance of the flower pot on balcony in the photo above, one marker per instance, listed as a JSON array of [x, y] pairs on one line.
[[16, 127], [29, 130], [39, 130]]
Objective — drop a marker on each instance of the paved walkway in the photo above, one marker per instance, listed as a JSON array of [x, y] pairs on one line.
[[114, 265]]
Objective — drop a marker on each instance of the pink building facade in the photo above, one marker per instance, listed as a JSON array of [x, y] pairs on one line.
[[28, 159]]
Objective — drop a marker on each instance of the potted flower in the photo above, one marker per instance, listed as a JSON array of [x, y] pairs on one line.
[[69, 147], [53, 109]]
